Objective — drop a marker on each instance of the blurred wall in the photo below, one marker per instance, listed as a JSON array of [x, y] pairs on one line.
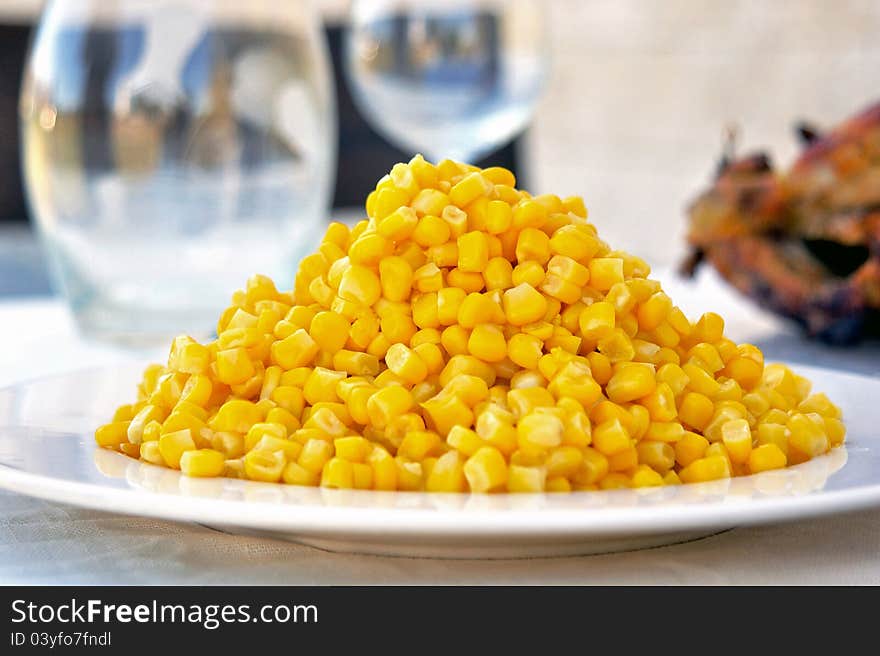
[[641, 89]]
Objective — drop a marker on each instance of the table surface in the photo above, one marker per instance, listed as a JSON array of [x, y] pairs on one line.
[[49, 543]]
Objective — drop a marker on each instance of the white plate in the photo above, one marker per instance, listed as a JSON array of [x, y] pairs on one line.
[[47, 450]]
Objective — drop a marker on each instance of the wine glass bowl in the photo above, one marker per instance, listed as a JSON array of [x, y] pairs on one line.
[[450, 79]]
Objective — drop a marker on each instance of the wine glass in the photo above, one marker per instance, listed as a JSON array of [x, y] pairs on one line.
[[172, 148], [450, 78]]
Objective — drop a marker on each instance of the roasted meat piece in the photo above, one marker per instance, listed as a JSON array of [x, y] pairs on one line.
[[805, 243]]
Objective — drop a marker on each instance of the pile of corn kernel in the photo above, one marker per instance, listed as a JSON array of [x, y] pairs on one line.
[[468, 336]]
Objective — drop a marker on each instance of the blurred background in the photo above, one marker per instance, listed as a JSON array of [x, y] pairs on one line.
[[634, 96]]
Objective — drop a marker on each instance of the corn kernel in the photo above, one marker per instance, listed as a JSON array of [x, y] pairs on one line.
[[486, 470]]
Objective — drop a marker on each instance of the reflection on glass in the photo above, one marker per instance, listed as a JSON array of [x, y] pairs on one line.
[[451, 79], [171, 149]]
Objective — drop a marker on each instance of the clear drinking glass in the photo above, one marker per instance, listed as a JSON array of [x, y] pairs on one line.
[[171, 149], [449, 78]]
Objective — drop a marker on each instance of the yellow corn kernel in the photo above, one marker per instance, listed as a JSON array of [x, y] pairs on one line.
[[499, 217], [410, 475], [188, 356], [431, 231], [569, 270], [473, 251], [699, 380], [234, 366], [605, 272], [387, 403], [424, 311], [709, 328], [660, 456], [469, 282], [338, 473], [654, 311], [772, 433], [486, 470], [617, 346], [564, 461], [354, 448], [471, 187], [397, 328], [737, 437], [610, 437], [526, 479], [428, 278], [525, 350], [600, 367], [288, 398], [315, 454], [835, 430], [237, 416], [432, 356], [705, 469], [495, 425], [660, 403], [820, 404], [113, 434], [386, 201], [173, 445], [522, 401], [645, 476], [557, 484], [443, 412], [624, 461], [523, 304], [398, 225], [533, 245], [807, 437], [464, 440], [297, 350], [384, 469], [149, 452], [321, 385], [597, 320], [447, 474], [329, 330], [539, 431], [593, 469], [498, 274], [262, 429], [406, 363], [696, 410], [487, 342], [356, 363], [152, 431], [360, 285], [456, 220], [417, 445], [530, 272], [395, 278], [631, 381], [202, 463], [707, 356], [766, 457], [746, 371], [529, 213], [295, 474]]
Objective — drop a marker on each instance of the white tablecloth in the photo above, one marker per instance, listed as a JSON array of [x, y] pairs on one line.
[[51, 543]]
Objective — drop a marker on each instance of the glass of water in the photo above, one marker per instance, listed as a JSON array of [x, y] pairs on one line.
[[449, 78], [171, 149]]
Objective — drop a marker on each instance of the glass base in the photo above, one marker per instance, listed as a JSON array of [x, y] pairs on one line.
[[134, 327]]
